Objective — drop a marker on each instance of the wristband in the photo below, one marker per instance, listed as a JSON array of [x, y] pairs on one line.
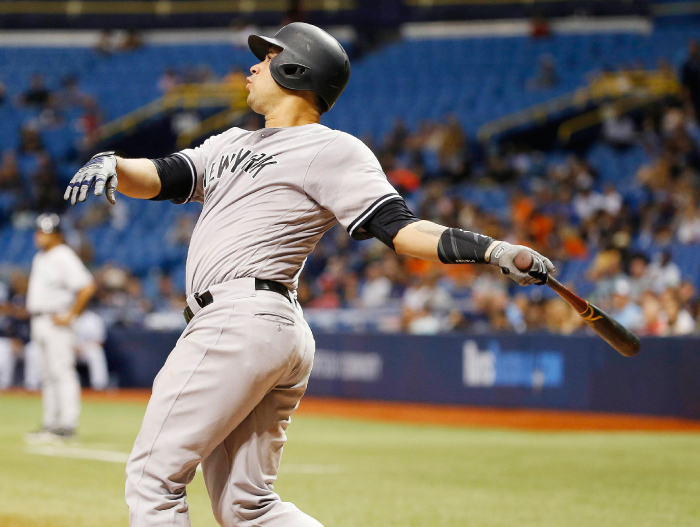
[[457, 246]]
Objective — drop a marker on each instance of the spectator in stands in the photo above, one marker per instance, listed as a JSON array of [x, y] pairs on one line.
[[604, 272], [38, 94], [14, 331], [3, 93], [132, 40], [428, 307], [90, 126], [47, 193], [96, 215], [624, 310], [588, 202], [70, 95], [680, 321], [688, 298], [453, 152], [328, 297], [180, 233], [654, 320], [9, 172], [690, 76], [499, 170], [539, 27], [30, 140], [375, 290], [612, 200], [168, 80], [664, 273], [132, 304], [618, 128], [649, 137], [561, 319], [546, 77], [105, 43], [167, 298], [200, 74], [640, 276], [236, 77]]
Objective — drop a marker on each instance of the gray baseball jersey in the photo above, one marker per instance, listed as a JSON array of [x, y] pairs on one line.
[[270, 195]]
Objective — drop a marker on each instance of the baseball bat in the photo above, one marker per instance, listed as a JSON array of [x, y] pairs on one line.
[[620, 338]]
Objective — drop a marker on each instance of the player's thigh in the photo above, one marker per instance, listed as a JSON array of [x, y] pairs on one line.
[[59, 345], [241, 471], [221, 368]]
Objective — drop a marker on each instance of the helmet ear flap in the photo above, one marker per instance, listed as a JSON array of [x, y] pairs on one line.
[[292, 71]]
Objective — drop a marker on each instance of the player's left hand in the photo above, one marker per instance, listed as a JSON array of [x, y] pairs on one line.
[[503, 255], [100, 171], [63, 319]]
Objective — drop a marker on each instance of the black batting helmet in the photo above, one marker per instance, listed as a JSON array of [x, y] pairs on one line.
[[311, 60]]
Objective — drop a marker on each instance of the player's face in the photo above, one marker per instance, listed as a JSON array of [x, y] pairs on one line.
[[45, 240], [42, 240], [263, 91]]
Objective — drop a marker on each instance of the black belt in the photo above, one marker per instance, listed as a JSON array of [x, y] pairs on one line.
[[261, 285]]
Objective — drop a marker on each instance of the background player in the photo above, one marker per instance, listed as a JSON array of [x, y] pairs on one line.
[[91, 333], [226, 393], [60, 287]]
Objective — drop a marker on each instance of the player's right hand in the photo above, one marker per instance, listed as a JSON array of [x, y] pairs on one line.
[[100, 171], [503, 255]]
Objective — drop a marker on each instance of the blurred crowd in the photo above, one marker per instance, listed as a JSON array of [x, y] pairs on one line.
[[618, 244], [30, 180], [612, 244]]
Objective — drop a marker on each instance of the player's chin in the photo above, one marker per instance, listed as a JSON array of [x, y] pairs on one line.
[[253, 103]]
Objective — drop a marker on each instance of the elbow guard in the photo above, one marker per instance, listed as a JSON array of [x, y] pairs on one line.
[[177, 180], [386, 222]]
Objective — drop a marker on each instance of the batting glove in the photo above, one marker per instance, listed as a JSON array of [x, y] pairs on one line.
[[100, 171], [503, 255]]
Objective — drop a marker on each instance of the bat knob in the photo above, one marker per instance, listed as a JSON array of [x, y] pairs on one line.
[[523, 261]]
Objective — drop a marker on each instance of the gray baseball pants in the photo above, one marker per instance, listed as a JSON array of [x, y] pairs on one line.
[[224, 398], [60, 385]]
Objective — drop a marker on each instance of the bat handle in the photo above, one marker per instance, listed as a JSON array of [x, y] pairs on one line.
[[578, 303]]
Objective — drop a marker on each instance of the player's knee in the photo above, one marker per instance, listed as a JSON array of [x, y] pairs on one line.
[[251, 506]]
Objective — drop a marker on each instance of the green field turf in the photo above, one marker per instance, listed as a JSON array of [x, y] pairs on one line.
[[366, 474]]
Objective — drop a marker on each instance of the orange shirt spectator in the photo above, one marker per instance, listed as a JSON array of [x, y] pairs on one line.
[[404, 178]]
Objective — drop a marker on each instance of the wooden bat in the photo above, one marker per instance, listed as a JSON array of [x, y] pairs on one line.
[[623, 340]]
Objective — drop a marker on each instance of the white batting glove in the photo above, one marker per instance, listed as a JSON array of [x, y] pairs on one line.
[[100, 171], [503, 256]]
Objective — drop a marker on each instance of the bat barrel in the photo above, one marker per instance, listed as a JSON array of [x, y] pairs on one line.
[[619, 337]]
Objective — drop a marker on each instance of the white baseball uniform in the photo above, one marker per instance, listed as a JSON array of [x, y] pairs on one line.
[[227, 391], [56, 277], [7, 357], [91, 333]]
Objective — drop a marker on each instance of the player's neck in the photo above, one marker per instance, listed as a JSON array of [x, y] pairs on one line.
[[51, 245], [293, 111]]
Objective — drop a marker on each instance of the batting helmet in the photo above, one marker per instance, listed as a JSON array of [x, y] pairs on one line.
[[310, 60], [48, 223]]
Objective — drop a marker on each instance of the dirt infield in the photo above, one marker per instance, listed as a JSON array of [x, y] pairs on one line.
[[468, 416]]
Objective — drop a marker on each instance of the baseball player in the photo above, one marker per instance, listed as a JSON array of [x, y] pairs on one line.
[[91, 333], [60, 287], [225, 395]]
